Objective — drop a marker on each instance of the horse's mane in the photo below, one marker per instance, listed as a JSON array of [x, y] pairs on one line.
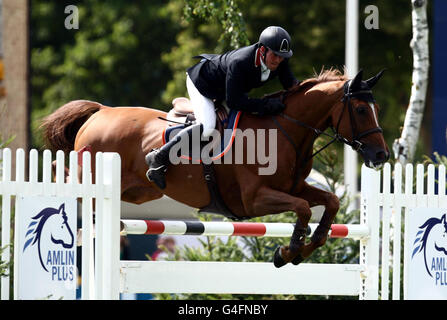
[[325, 75], [40, 220]]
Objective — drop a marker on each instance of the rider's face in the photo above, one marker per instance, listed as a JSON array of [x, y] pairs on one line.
[[272, 60]]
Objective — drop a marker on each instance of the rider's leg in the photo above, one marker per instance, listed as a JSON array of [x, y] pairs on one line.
[[158, 160], [203, 108]]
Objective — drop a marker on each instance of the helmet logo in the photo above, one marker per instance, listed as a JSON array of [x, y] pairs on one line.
[[284, 46]]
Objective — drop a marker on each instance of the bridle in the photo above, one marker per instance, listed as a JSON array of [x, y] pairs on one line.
[[356, 136], [355, 143]]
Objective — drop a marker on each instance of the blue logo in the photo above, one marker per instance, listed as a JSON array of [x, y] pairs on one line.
[[59, 234], [431, 241]]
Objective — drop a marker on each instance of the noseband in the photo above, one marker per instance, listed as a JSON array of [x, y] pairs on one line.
[[355, 143]]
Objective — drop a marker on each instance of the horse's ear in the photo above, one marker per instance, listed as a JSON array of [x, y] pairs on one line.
[[372, 81], [62, 208], [356, 81]]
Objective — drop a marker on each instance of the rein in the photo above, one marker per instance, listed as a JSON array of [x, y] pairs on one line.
[[354, 143]]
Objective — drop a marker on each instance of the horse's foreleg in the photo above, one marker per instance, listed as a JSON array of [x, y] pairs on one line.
[[269, 201], [317, 196]]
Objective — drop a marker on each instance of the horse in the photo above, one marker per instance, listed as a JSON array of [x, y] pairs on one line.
[[328, 100], [39, 233], [432, 235]]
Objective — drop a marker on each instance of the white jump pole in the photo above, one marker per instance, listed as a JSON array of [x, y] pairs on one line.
[[351, 62]]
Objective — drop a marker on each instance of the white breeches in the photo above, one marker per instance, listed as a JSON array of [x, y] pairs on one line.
[[203, 108]]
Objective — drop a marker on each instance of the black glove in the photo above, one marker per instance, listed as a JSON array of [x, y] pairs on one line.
[[273, 106]]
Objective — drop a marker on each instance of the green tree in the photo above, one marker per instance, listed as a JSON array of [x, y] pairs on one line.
[[114, 57]]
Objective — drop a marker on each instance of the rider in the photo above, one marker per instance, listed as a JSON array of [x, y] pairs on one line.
[[230, 76]]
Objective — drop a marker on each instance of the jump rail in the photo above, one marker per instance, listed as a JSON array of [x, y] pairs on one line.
[[247, 229]]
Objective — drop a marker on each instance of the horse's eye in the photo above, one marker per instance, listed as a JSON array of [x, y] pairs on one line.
[[361, 110]]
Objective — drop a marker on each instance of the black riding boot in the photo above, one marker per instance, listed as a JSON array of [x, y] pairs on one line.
[[158, 159]]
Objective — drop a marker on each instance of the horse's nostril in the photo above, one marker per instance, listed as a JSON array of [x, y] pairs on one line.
[[382, 155]]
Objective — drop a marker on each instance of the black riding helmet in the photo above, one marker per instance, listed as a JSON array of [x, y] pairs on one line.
[[278, 40]]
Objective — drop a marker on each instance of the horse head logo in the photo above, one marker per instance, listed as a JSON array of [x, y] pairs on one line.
[[59, 234], [432, 235]]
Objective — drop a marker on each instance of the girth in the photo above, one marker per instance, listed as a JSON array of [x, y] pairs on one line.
[[216, 205]]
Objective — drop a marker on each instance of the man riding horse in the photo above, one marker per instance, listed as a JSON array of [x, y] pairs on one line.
[[330, 100], [229, 77]]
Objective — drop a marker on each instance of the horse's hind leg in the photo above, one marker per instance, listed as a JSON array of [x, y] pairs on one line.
[[269, 201]]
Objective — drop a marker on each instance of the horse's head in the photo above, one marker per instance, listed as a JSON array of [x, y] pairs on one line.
[[355, 120], [441, 243], [60, 233], [431, 239], [63, 234]]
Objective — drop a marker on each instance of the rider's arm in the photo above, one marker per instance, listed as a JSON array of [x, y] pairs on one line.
[[236, 97]]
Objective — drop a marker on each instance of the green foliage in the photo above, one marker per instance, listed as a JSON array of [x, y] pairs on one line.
[[113, 58], [224, 12], [4, 266], [438, 160]]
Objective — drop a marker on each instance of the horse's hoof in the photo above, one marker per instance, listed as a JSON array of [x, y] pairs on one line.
[[298, 259], [278, 261]]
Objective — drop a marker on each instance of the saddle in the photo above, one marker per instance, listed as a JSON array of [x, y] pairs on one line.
[[182, 115], [182, 112]]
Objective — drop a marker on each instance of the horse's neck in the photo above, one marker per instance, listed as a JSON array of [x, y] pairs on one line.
[[315, 106]]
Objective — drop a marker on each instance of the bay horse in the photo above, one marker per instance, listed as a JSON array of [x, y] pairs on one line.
[[329, 99]]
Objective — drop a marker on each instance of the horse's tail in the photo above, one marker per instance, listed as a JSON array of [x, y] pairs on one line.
[[60, 127]]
